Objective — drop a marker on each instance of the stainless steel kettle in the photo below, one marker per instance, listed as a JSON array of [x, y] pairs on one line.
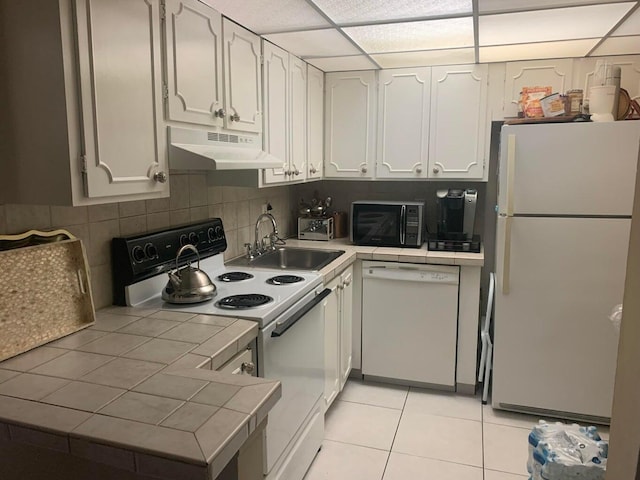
[[188, 284]]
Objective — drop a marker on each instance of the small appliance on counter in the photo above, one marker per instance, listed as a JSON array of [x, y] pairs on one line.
[[315, 228], [387, 223], [456, 219]]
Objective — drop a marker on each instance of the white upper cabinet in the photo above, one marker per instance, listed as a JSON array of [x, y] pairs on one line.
[[585, 69], [459, 121], [85, 102], [121, 111], [315, 122], [276, 107], [243, 79], [556, 73], [285, 110], [350, 124], [298, 118], [193, 35], [403, 123]]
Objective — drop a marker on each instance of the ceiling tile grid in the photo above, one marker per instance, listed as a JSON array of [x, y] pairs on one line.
[[336, 35]]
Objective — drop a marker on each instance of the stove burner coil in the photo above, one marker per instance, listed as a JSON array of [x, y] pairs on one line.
[[284, 279], [249, 300], [234, 276]]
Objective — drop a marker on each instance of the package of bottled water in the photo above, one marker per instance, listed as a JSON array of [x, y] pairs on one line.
[[564, 452]]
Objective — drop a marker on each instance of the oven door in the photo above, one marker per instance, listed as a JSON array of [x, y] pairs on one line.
[[291, 349], [378, 224]]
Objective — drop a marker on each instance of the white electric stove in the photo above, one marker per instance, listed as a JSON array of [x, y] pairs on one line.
[[288, 306]]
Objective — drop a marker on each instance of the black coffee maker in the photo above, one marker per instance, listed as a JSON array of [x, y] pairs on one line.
[[456, 220]]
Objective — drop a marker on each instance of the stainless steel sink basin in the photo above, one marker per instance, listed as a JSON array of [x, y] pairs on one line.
[[291, 258]]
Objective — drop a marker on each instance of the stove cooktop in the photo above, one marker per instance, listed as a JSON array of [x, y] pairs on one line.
[[146, 294], [140, 263]]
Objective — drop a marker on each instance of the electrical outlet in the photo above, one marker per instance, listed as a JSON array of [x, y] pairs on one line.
[[264, 208]]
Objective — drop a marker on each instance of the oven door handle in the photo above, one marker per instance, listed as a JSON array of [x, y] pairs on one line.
[[282, 327]]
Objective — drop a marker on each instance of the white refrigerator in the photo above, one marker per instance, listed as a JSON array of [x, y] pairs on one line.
[[564, 214]]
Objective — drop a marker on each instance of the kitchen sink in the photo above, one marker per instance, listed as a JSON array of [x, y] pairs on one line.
[[291, 258]]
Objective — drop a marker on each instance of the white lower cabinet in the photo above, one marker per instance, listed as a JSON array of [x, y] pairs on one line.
[[338, 308]]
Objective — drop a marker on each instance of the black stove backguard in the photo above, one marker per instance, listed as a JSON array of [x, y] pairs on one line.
[[142, 256]]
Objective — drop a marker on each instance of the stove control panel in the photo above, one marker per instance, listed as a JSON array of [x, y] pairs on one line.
[[141, 256]]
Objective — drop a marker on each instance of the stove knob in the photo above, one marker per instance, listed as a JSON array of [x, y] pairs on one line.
[[193, 238], [219, 233], [150, 250], [183, 240], [137, 253], [211, 234]]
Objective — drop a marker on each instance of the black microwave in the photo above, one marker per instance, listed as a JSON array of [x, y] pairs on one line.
[[387, 224]]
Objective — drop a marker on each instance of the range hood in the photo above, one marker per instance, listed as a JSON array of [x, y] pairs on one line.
[[192, 149]]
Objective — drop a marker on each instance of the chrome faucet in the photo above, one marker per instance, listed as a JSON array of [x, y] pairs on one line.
[[258, 246]]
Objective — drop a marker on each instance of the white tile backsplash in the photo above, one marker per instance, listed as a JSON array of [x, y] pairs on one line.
[[192, 199]]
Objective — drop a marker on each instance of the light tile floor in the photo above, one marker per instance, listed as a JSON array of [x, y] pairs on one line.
[[377, 431]]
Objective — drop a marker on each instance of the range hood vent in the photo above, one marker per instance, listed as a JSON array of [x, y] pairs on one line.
[[223, 137], [191, 149]]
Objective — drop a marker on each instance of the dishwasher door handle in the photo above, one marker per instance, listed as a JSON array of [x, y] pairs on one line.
[[282, 327]]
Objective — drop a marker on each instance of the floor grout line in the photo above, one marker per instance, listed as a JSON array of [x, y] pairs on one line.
[[384, 470]]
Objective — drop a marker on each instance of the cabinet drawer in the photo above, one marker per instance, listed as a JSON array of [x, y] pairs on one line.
[[239, 363]]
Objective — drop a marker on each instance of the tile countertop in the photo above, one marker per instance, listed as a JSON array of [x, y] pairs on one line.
[[128, 392], [389, 254]]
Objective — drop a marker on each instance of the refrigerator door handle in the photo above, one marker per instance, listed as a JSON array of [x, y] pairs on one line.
[[506, 255], [511, 167]]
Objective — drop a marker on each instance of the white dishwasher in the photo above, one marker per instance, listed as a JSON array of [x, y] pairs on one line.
[[410, 322]]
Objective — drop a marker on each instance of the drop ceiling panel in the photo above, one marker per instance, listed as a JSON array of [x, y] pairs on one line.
[[549, 25], [493, 6], [343, 64], [314, 43], [268, 16], [407, 36], [425, 58], [631, 26], [619, 46], [361, 11], [533, 51]]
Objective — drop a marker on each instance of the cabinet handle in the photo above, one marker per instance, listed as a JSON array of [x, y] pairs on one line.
[[341, 286], [312, 170], [436, 170], [248, 367], [419, 170], [160, 177], [220, 113], [235, 117], [363, 169], [347, 282], [296, 172]]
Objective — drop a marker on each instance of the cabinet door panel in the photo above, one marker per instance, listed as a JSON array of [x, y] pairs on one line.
[[120, 96], [346, 325], [315, 122], [403, 126], [350, 124], [243, 78], [331, 343], [458, 121], [629, 67], [556, 73], [298, 118], [276, 106], [193, 41]]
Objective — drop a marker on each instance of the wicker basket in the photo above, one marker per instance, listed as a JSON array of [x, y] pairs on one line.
[[46, 291]]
